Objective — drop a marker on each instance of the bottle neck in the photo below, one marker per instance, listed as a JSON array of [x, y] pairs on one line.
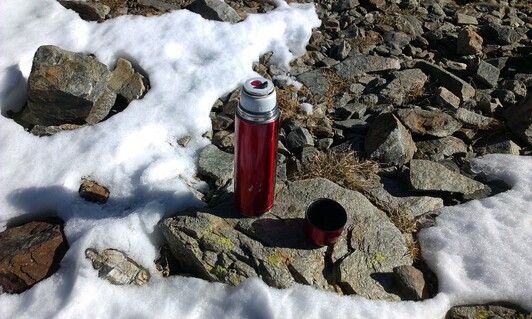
[[258, 118]]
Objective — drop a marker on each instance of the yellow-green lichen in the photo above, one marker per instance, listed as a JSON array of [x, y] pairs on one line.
[[219, 240], [274, 260], [376, 260], [484, 314], [219, 271]]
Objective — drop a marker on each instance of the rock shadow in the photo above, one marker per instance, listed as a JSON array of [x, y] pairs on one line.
[[281, 233]]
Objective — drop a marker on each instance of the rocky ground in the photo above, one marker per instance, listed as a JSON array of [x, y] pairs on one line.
[[383, 114]]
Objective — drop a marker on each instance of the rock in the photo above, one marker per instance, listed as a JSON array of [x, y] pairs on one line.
[[317, 82], [488, 311], [216, 165], [127, 82], [353, 125], [224, 140], [218, 245], [90, 11], [388, 141], [308, 154], [406, 85], [462, 19], [446, 98], [183, 141], [221, 121], [487, 74], [396, 39], [40, 130], [441, 148], [343, 5], [215, 10], [29, 254], [116, 267], [93, 192], [416, 206], [299, 138], [423, 122], [519, 119], [500, 34], [477, 120], [446, 79], [357, 64], [434, 177], [469, 42], [340, 50], [411, 281], [66, 87], [350, 110], [502, 147]]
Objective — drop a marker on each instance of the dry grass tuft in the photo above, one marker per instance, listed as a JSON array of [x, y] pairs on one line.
[[414, 249], [335, 85], [342, 168]]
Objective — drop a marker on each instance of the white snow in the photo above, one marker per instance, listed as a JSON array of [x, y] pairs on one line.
[[307, 108], [480, 251]]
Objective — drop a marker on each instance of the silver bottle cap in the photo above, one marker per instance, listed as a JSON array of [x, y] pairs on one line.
[[258, 101]]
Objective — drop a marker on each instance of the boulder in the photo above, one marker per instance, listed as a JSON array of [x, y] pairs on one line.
[[29, 254], [388, 141], [500, 34], [519, 119], [117, 268], [90, 11], [435, 177], [423, 122], [217, 245], [215, 10], [406, 85], [67, 88], [469, 42], [487, 74]]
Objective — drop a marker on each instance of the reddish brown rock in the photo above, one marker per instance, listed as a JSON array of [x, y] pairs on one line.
[[29, 254], [91, 191]]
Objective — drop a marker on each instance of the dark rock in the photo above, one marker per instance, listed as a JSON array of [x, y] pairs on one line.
[[488, 311], [116, 267], [406, 85], [502, 147], [93, 192], [299, 138], [519, 119], [446, 98], [215, 165], [353, 125], [487, 74], [397, 40], [215, 10], [90, 11], [434, 177], [468, 42], [29, 254], [351, 110], [446, 79], [388, 141], [411, 281], [441, 148], [423, 122], [66, 87], [340, 50], [343, 5], [357, 64], [500, 34]]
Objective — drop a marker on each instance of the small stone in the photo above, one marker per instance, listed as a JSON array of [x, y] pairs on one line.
[[343, 5], [216, 165], [519, 119], [441, 148], [29, 254], [503, 147], [116, 267], [357, 64], [418, 205], [215, 10], [446, 98], [434, 177], [323, 144], [411, 281], [406, 85], [469, 42], [462, 19], [299, 138], [308, 154], [93, 192], [388, 141], [352, 125], [183, 142], [221, 121], [340, 50], [224, 140], [423, 122], [350, 110], [487, 74]]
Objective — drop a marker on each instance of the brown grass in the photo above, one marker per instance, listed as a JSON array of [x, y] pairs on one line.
[[414, 249], [342, 168]]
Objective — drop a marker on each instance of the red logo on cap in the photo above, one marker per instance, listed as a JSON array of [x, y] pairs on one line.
[[256, 83]]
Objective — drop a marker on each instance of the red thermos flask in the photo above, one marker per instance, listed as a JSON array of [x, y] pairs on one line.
[[256, 136]]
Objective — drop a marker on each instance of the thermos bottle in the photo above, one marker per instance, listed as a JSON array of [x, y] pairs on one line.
[[256, 136]]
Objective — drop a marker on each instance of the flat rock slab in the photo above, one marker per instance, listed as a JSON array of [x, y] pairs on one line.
[[217, 244], [115, 266], [357, 65], [29, 254]]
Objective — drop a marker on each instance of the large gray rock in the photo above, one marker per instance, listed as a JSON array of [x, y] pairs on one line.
[[434, 177], [30, 253], [216, 165], [215, 10], [407, 84], [388, 141], [423, 122], [216, 244], [357, 64], [487, 74], [116, 267], [67, 87], [519, 119], [446, 79]]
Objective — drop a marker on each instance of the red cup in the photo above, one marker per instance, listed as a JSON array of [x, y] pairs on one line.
[[324, 221]]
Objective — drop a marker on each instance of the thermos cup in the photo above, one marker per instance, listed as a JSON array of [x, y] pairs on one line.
[[256, 136]]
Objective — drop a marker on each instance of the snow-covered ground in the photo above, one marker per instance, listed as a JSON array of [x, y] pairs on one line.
[[481, 251]]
